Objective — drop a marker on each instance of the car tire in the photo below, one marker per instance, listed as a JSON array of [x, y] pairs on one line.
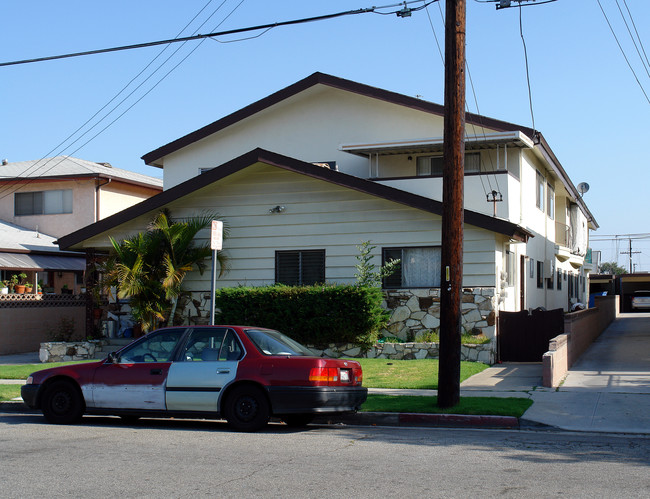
[[247, 408], [62, 403], [297, 420]]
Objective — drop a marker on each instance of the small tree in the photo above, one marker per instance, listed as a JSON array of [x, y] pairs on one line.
[[368, 274], [611, 268]]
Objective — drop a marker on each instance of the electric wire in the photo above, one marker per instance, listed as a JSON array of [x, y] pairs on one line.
[[637, 33], [530, 95], [638, 51], [623, 52], [36, 166]]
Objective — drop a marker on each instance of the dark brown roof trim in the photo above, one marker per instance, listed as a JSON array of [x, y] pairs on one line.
[[334, 82], [262, 156]]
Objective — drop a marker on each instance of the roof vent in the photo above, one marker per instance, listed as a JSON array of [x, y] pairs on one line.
[[5, 162], [107, 165]]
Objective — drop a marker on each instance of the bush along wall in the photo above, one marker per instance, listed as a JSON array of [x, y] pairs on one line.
[[313, 315]]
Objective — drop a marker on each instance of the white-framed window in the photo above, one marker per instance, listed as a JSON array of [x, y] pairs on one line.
[[43, 202], [539, 198], [419, 267], [510, 268], [433, 165]]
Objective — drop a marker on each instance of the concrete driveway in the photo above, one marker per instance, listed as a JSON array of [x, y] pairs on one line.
[[608, 389]]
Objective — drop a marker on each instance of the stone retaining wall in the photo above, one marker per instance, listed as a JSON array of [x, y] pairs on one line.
[[65, 351], [418, 310], [408, 351]]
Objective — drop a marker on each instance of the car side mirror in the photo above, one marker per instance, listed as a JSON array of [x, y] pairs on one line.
[[112, 358]]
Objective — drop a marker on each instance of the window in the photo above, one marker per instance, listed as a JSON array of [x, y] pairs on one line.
[[510, 268], [550, 201], [559, 280], [433, 165], [275, 343], [157, 347], [419, 267], [43, 202], [540, 275], [302, 267], [209, 345], [540, 191]]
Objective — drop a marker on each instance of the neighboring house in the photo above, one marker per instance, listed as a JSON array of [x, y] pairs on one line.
[[351, 163], [59, 195], [36, 255]]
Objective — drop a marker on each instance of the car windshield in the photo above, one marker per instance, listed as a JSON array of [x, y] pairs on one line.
[[275, 343]]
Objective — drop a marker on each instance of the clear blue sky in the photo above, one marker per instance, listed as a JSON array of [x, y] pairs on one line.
[[586, 101]]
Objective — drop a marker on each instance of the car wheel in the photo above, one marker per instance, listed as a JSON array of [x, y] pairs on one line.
[[297, 420], [247, 408], [62, 403]]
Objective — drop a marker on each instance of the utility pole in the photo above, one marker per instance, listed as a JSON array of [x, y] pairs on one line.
[[630, 253], [451, 280]]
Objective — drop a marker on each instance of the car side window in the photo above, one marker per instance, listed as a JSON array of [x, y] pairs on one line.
[[231, 348], [157, 347], [203, 344]]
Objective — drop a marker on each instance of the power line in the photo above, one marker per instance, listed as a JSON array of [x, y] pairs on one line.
[[405, 12]]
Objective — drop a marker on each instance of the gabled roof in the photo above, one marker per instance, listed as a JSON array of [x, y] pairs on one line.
[[262, 156], [69, 167], [152, 157]]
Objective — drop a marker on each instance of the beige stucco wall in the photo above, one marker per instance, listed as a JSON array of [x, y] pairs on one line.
[[116, 196], [83, 207]]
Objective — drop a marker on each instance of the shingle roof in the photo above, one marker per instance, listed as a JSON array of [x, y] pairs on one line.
[[67, 166], [15, 237]]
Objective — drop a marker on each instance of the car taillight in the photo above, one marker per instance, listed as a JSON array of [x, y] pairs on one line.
[[324, 375], [358, 376]]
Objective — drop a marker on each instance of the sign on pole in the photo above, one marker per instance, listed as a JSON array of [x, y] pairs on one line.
[[216, 243]]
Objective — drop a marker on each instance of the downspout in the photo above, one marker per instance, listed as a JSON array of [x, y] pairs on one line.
[[97, 187]]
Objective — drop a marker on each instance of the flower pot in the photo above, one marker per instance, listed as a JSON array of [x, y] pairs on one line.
[[28, 290], [4, 291], [19, 288]]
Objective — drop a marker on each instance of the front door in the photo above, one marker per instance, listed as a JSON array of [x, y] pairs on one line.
[[208, 361], [137, 380]]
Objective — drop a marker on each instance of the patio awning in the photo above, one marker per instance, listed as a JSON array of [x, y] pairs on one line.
[[40, 262]]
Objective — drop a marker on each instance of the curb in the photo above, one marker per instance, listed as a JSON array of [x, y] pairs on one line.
[[373, 419], [422, 420]]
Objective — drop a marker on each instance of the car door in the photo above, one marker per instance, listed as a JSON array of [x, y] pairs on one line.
[[137, 379], [206, 364]]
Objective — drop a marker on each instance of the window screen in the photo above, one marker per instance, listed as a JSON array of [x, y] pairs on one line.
[[301, 267]]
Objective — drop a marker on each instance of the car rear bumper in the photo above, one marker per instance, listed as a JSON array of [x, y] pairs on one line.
[[316, 399], [29, 393]]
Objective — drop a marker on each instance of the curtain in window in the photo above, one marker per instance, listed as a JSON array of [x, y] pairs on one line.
[[421, 267]]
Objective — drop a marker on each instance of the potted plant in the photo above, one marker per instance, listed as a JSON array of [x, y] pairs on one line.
[[5, 287], [19, 280], [65, 290], [29, 287]]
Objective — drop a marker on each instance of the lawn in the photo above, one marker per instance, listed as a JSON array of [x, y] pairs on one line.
[[422, 374], [483, 406], [8, 392], [21, 371]]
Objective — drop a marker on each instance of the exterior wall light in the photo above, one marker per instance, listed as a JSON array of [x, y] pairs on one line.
[[276, 209]]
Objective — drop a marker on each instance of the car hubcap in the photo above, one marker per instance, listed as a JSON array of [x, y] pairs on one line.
[[246, 408], [61, 402]]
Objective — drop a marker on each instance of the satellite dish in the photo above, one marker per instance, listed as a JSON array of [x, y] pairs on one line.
[[583, 187]]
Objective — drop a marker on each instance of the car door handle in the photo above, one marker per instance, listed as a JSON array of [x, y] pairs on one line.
[[223, 371], [156, 372]]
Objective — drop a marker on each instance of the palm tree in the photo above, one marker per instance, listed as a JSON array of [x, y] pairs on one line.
[[149, 268]]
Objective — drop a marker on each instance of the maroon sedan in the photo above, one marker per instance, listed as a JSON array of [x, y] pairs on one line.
[[243, 374]]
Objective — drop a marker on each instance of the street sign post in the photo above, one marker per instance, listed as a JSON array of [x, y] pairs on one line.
[[216, 243]]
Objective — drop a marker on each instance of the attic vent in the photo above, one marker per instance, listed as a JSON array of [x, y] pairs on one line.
[[107, 165]]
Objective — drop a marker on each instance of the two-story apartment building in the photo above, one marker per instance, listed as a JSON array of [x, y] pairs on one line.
[[55, 196], [305, 175]]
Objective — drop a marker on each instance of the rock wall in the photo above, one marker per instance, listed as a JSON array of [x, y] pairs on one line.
[[65, 351], [418, 310]]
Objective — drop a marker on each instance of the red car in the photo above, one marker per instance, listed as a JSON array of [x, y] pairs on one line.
[[243, 374]]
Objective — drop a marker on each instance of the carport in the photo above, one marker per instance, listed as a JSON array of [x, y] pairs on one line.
[[629, 283]]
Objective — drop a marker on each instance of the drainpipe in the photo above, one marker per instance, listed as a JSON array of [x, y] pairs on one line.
[[97, 187]]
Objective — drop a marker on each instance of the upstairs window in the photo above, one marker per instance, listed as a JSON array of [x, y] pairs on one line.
[[539, 198], [434, 166], [418, 268], [43, 202], [301, 267], [510, 268], [540, 275], [550, 201]]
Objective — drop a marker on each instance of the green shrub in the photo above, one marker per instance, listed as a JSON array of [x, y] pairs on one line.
[[313, 315]]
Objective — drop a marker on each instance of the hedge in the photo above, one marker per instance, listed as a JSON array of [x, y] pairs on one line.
[[313, 315]]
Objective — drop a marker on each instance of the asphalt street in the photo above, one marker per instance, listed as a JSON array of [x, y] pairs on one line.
[[175, 458]]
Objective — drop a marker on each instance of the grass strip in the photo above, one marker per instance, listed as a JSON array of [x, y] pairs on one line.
[[21, 371], [8, 392], [481, 406], [416, 374]]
